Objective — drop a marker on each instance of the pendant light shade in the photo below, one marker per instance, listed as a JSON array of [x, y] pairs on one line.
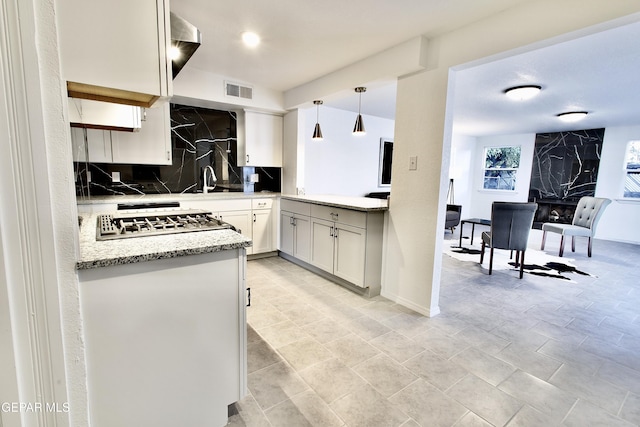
[[358, 128], [317, 132]]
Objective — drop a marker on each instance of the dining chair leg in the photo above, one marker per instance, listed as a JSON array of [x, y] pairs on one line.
[[561, 246], [482, 252], [544, 238], [491, 260], [589, 247], [573, 243], [521, 264]]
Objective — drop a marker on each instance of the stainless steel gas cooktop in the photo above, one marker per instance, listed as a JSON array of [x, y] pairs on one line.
[[138, 224]]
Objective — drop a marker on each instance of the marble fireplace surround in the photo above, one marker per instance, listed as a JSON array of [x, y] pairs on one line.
[[565, 168]]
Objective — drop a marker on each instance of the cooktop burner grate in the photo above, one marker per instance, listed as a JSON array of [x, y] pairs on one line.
[[139, 224]]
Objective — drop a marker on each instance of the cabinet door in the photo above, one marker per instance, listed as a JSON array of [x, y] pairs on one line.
[[241, 220], [287, 235], [262, 231], [302, 242], [260, 142], [322, 241], [116, 44], [349, 257], [98, 145], [151, 145]]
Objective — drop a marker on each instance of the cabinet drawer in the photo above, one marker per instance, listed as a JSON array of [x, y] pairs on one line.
[[300, 208], [343, 216], [261, 203]]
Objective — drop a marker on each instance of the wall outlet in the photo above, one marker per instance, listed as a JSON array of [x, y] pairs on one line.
[[115, 176], [413, 163]]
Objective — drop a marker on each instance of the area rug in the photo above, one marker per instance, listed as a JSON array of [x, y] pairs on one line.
[[536, 262]]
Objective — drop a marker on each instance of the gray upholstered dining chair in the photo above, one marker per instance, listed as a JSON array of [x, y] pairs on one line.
[[510, 226], [585, 220]]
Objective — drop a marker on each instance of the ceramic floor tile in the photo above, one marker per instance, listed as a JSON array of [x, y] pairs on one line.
[[428, 405], [351, 349], [620, 375], [541, 395], [247, 413], [366, 327], [472, 420], [282, 334], [483, 340], [303, 410], [304, 353], [397, 346], [325, 330], [440, 372], [631, 409], [332, 379], [528, 417], [385, 374], [568, 353], [407, 324], [536, 364], [260, 355], [367, 408], [585, 414], [581, 383], [440, 343], [485, 400], [484, 366], [275, 384]]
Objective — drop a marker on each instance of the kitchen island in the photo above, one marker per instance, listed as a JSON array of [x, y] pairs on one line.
[[338, 237], [164, 326]]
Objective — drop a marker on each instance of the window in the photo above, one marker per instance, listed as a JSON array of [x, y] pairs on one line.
[[501, 168], [632, 167]]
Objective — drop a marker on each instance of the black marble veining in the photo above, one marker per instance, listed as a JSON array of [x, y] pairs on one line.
[[199, 137]]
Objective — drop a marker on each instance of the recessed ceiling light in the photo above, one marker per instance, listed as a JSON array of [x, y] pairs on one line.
[[250, 39], [522, 93], [572, 116], [174, 53]]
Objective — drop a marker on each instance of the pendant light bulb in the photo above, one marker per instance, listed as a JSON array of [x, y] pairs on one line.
[[358, 128], [317, 132]]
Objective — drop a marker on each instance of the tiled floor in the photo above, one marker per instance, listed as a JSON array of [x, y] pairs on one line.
[[504, 351]]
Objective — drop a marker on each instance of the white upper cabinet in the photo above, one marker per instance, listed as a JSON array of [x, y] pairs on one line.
[[151, 145], [116, 50], [259, 139], [106, 115]]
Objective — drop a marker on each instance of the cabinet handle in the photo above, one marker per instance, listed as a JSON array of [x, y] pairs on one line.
[[335, 233], [247, 158], [168, 155], [331, 231], [248, 297], [254, 217]]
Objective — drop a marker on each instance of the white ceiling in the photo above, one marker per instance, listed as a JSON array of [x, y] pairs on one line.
[[302, 41]]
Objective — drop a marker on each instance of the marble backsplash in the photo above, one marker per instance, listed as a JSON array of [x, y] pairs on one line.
[[199, 137]]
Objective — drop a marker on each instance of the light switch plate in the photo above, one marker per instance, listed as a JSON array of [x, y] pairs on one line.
[[413, 163]]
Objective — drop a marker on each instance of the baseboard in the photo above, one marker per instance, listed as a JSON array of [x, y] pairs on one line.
[[411, 305]]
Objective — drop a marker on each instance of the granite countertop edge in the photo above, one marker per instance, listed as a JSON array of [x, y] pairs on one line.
[[363, 204], [96, 254]]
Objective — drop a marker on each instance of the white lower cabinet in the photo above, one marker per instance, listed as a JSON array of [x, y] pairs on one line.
[[342, 242], [252, 217], [339, 249], [295, 235]]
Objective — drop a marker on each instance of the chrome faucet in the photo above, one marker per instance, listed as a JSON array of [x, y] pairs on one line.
[[205, 181]]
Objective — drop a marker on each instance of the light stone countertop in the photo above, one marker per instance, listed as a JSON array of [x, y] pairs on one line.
[[364, 204], [94, 253]]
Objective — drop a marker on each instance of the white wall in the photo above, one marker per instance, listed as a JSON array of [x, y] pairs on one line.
[[621, 220], [343, 163], [463, 148]]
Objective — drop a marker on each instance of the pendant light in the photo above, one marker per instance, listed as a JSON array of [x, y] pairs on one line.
[[317, 133], [358, 129]]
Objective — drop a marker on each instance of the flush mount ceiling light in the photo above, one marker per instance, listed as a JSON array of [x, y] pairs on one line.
[[317, 133], [250, 39], [522, 93], [572, 116], [358, 129]]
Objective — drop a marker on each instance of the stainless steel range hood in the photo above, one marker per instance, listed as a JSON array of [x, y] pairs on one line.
[[186, 38]]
